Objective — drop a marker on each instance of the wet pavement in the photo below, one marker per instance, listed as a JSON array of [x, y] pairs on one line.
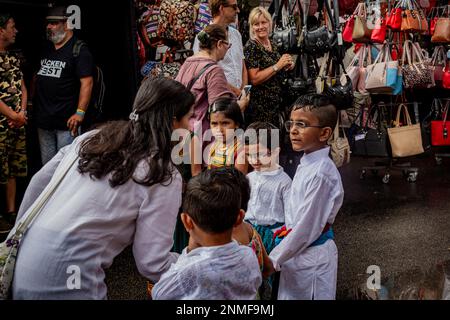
[[401, 227]]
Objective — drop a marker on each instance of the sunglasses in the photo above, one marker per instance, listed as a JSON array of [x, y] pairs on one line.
[[234, 6]]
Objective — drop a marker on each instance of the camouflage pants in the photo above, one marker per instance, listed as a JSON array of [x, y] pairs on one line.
[[13, 153]]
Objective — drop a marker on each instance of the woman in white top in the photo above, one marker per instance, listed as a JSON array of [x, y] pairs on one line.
[[123, 189]]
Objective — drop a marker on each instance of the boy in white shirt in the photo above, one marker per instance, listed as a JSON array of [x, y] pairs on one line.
[[270, 185], [213, 266], [307, 257]]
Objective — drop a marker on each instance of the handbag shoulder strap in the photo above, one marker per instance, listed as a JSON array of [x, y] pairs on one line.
[[194, 79], [405, 112], [43, 198]]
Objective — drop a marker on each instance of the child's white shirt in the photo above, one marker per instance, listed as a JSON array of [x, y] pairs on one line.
[[268, 197], [316, 197], [227, 272]]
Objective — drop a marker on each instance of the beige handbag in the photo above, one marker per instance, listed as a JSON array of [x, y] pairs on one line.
[[339, 146], [406, 140], [376, 81], [361, 33]]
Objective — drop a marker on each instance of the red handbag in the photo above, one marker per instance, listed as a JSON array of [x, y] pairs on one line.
[[379, 33], [440, 130], [446, 77], [394, 19], [433, 25], [348, 29]]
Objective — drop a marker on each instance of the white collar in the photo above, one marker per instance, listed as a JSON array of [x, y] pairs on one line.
[[315, 156], [270, 173]]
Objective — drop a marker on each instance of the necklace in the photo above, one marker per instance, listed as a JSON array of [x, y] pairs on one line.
[[266, 46]]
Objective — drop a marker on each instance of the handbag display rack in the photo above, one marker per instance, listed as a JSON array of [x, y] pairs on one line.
[[390, 164]]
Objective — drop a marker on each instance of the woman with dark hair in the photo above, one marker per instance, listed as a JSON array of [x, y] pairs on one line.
[[115, 194]]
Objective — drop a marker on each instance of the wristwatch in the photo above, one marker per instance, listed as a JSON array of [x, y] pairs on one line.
[[275, 68]]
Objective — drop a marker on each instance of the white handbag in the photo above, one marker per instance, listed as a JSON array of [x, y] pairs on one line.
[[10, 247]]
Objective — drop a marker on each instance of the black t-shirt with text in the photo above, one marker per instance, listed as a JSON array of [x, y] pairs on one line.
[[58, 84]]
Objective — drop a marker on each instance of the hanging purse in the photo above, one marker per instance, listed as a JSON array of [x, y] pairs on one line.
[[413, 18], [440, 129], [441, 32], [9, 248], [361, 32], [405, 140], [416, 74], [339, 146], [372, 142], [284, 35], [322, 39], [438, 60], [379, 32], [353, 69], [340, 94], [382, 74], [394, 19], [446, 77]]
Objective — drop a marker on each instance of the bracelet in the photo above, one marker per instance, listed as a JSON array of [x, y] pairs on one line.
[[80, 112]]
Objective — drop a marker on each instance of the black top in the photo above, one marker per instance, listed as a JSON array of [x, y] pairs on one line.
[[58, 84]]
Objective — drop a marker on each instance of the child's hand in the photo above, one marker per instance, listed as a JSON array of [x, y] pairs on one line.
[[268, 270]]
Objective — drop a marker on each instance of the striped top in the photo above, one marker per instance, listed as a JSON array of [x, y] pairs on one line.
[[222, 154]]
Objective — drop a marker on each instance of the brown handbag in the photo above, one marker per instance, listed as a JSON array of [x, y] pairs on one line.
[[413, 18], [405, 140], [441, 31], [361, 33]]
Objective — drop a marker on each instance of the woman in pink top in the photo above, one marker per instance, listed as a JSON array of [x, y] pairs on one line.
[[206, 79]]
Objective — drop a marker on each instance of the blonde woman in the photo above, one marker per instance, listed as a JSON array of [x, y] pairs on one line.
[[266, 68]]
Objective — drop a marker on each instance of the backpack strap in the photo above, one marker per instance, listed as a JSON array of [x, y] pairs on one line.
[[77, 48], [193, 80]]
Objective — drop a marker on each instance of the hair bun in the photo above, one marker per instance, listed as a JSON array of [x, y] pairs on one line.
[[203, 37]]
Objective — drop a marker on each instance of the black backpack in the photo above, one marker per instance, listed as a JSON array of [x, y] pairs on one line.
[[94, 113]]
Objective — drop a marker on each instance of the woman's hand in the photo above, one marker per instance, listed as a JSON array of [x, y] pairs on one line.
[[243, 101], [286, 62]]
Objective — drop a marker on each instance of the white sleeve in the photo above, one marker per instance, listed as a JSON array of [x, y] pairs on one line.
[[40, 180], [168, 287], [155, 226], [286, 192], [318, 204]]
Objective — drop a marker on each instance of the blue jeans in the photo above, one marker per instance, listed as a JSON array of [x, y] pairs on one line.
[[51, 141]]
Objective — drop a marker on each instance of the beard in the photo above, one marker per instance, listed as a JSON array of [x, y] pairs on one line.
[[56, 36]]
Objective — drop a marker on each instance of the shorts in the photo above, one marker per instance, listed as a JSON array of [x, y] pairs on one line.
[[13, 153]]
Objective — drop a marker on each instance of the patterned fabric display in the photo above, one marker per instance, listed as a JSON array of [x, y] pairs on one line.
[[203, 18], [176, 20], [150, 20]]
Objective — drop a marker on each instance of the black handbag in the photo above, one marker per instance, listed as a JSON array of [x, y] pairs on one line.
[[300, 81], [284, 37], [369, 141], [321, 39], [340, 94]]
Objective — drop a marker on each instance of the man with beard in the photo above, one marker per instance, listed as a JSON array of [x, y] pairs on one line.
[[63, 86], [13, 105]]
